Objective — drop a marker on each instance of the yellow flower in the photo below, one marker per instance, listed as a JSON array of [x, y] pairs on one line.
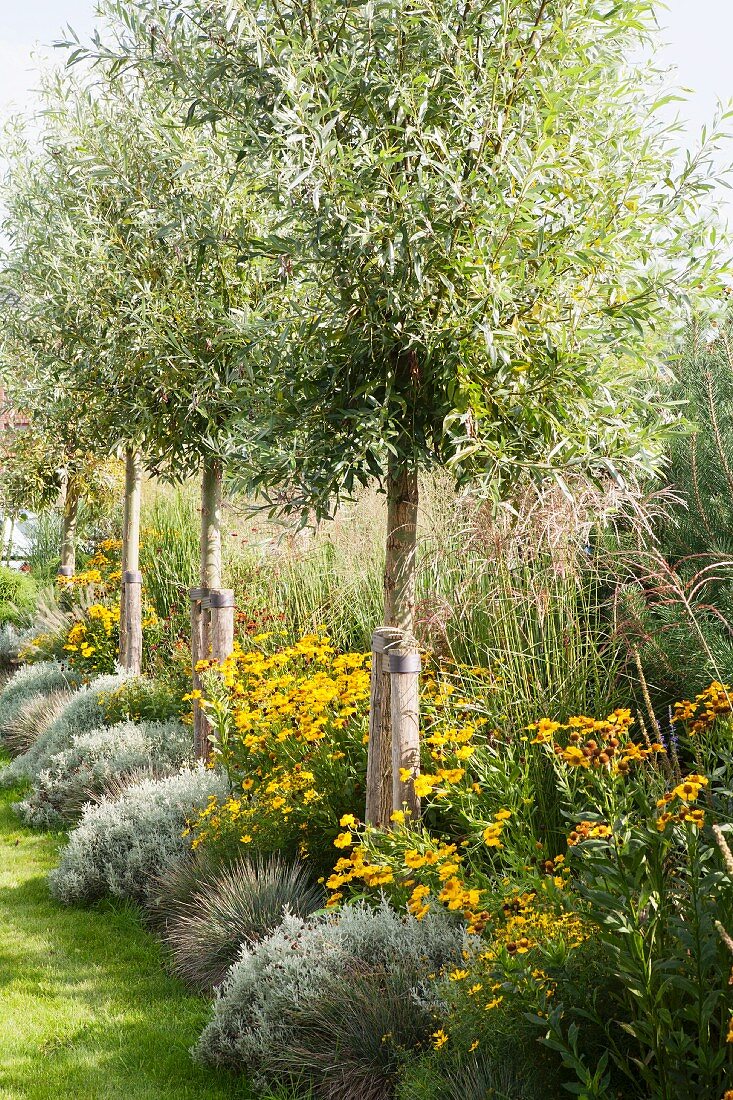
[[343, 840], [458, 975], [687, 791], [439, 1039], [348, 821], [398, 816], [423, 785], [414, 859]]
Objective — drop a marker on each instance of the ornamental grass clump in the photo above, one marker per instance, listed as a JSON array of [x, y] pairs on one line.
[[331, 1001], [84, 711], [121, 845], [33, 719], [207, 911], [83, 771], [28, 682]]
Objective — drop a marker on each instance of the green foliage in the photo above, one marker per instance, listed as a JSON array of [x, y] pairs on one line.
[[17, 597], [141, 699], [675, 592], [169, 554], [656, 896], [207, 910], [44, 554], [431, 248]]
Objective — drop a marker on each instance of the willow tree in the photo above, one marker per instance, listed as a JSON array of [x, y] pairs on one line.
[[144, 246], [57, 459], [57, 325], [485, 231]]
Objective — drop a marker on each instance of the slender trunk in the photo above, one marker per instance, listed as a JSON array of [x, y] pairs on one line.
[[400, 567], [212, 607], [9, 547], [394, 713], [69, 519], [211, 499], [7, 538], [131, 634]]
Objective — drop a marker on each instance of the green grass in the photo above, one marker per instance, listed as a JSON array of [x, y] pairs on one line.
[[86, 1007]]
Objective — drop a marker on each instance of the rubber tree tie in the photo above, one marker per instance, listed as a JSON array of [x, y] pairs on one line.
[[197, 593], [65, 571], [404, 662], [222, 597], [132, 576]]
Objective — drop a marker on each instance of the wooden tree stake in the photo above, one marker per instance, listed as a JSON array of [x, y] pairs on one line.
[[199, 651], [131, 639], [379, 763], [69, 520], [404, 669], [132, 580], [221, 601]]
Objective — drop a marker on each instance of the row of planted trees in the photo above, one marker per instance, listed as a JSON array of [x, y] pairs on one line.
[[313, 245]]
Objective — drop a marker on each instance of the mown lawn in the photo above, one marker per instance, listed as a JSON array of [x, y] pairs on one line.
[[87, 1010]]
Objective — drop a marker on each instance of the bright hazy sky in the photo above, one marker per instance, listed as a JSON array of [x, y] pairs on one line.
[[698, 35]]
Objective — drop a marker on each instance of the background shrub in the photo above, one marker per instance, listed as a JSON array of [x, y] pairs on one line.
[[84, 711], [121, 845], [145, 699], [83, 770], [17, 596], [207, 912], [264, 1008]]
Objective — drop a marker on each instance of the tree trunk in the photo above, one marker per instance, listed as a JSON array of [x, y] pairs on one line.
[[8, 532], [69, 519], [131, 633], [379, 795], [400, 567], [212, 607], [394, 713], [211, 498]]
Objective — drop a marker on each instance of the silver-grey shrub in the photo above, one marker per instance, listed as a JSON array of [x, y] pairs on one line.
[[121, 845], [83, 712], [27, 683], [9, 644], [83, 770], [270, 997]]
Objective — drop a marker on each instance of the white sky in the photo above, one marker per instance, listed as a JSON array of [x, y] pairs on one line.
[[698, 34]]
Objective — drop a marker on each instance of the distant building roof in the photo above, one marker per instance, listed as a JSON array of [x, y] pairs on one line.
[[9, 418]]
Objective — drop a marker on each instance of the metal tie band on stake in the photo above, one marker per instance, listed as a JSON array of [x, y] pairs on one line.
[[132, 576], [404, 662], [222, 597]]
